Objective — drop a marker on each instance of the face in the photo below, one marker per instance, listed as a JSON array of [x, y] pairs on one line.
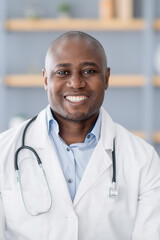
[[76, 79]]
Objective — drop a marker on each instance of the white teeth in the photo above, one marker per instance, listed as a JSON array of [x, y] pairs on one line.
[[76, 98]]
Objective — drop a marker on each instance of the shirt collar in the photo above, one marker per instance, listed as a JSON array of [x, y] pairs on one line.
[[96, 130], [52, 124]]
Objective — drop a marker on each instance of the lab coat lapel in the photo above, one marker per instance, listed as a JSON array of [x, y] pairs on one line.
[[98, 164], [100, 160]]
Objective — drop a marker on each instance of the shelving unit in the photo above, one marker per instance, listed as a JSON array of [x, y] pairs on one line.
[[35, 80], [156, 135], [140, 81], [70, 24]]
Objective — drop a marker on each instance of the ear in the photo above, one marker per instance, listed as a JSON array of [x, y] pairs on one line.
[[107, 78], [45, 79]]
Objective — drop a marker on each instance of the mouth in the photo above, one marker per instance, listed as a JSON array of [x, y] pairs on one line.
[[76, 99]]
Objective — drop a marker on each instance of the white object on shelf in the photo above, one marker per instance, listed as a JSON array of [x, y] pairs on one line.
[[124, 9]]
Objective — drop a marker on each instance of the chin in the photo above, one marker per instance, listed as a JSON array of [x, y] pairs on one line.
[[77, 116]]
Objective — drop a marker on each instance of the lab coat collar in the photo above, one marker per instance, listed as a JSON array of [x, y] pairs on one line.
[[107, 130], [38, 134]]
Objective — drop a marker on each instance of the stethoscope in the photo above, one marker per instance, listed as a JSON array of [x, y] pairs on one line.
[[113, 192], [35, 213]]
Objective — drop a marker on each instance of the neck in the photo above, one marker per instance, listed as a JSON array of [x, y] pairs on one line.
[[74, 131]]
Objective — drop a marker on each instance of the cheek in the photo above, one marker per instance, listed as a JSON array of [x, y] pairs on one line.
[[55, 93], [99, 93], [52, 88], [100, 88], [51, 92]]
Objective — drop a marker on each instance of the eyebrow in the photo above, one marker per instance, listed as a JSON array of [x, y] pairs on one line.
[[63, 65], [89, 64], [81, 64]]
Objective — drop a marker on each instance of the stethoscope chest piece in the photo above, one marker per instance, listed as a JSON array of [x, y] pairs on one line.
[[113, 191]]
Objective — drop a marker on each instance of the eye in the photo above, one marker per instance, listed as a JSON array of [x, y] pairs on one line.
[[89, 71], [62, 73]]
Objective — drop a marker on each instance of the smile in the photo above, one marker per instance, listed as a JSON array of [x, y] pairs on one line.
[[76, 99]]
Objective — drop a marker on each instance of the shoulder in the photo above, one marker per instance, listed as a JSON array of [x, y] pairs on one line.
[[135, 151], [127, 138], [128, 143], [13, 135]]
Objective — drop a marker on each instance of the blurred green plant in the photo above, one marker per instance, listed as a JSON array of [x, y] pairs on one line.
[[64, 7]]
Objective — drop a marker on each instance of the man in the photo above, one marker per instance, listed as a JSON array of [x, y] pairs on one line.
[[77, 143]]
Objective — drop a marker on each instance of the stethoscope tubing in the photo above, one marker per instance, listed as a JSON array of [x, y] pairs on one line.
[[114, 162], [23, 146]]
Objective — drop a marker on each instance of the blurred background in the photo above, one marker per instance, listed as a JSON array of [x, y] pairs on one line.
[[129, 30]]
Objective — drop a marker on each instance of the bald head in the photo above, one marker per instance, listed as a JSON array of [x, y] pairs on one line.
[[76, 36]]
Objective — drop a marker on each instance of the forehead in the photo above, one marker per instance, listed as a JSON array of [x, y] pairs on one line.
[[76, 49]]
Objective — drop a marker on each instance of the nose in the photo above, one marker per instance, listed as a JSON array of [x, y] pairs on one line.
[[76, 81]]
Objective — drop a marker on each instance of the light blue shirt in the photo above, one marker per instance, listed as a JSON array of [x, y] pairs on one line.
[[75, 157]]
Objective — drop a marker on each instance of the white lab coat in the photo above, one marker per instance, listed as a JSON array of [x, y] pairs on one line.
[[93, 215]]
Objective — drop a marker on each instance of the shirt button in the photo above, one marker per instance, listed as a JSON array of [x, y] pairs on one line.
[[88, 136], [70, 180], [68, 149]]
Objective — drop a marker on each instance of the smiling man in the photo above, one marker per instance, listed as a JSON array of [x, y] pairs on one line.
[[101, 181], [75, 78]]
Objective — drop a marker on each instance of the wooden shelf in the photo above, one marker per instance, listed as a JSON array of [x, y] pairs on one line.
[[126, 81], [139, 134], [156, 137], [36, 80], [156, 81], [157, 24], [74, 24], [28, 80]]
